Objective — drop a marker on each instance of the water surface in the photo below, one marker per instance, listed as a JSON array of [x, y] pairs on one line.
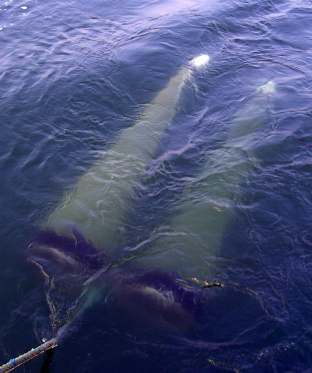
[[73, 75]]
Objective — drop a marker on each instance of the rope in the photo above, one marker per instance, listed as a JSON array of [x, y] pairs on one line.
[[30, 355]]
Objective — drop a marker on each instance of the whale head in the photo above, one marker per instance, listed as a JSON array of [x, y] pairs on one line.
[[156, 300], [77, 279]]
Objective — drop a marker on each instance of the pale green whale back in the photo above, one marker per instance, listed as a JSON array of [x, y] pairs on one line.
[[98, 204], [195, 234]]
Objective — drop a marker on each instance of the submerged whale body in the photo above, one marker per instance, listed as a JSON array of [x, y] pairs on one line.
[[153, 299], [194, 235], [98, 204], [68, 248], [79, 274]]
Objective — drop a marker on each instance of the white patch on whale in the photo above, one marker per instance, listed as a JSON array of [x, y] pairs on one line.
[[200, 61], [267, 88]]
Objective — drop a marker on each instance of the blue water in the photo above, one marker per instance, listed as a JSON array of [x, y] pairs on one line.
[[73, 75]]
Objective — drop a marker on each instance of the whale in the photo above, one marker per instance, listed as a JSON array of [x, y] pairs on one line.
[[74, 247], [160, 291], [97, 205], [193, 236]]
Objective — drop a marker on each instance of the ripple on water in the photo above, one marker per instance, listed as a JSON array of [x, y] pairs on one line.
[[74, 74]]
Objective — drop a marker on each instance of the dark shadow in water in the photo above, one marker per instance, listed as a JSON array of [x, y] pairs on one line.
[[46, 366]]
